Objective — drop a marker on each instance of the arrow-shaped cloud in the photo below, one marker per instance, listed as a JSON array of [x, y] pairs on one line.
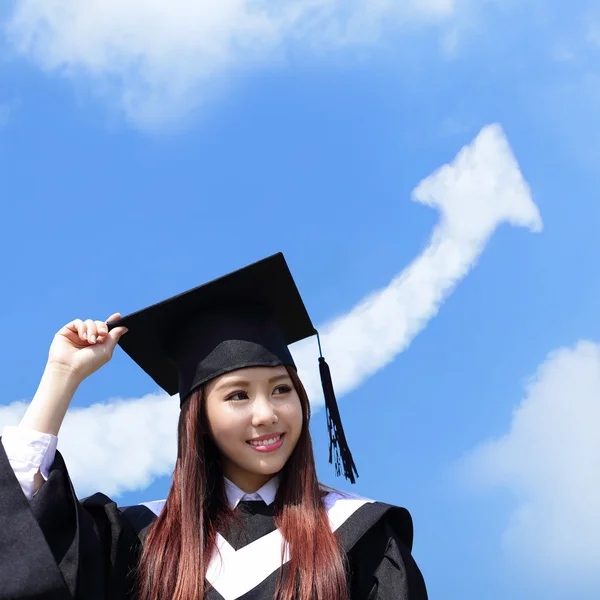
[[481, 189]]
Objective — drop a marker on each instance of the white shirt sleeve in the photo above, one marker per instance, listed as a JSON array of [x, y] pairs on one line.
[[29, 451]]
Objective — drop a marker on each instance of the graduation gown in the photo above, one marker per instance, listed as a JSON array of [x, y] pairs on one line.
[[57, 547]]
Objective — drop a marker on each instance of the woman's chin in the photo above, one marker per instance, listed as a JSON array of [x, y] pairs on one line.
[[269, 467], [265, 465]]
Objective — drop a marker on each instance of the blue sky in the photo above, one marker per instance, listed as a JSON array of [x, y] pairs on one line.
[[143, 152]]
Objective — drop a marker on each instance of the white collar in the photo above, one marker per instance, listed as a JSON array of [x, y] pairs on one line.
[[266, 493], [234, 495]]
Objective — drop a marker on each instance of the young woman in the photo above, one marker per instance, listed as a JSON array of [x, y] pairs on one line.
[[245, 517]]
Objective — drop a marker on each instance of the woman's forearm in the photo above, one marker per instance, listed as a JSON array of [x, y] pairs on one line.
[[52, 398]]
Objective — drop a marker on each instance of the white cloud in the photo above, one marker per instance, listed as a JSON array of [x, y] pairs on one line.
[[550, 460], [158, 60], [117, 446], [481, 189]]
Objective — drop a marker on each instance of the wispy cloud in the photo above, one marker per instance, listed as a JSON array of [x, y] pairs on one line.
[[550, 460], [5, 112], [480, 190], [158, 60]]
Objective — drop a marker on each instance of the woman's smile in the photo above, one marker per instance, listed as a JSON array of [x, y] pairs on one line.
[[267, 443]]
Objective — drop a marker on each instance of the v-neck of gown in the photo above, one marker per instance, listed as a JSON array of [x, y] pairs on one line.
[[251, 520]]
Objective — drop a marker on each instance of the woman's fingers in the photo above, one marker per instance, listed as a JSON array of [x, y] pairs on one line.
[[97, 331], [102, 330], [114, 334], [117, 332], [92, 331], [79, 326]]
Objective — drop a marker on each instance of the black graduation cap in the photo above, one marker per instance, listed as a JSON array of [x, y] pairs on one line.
[[244, 319]]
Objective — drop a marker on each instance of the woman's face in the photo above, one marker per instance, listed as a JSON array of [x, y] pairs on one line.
[[255, 419]]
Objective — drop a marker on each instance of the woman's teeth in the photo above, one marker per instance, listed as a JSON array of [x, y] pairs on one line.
[[266, 442]]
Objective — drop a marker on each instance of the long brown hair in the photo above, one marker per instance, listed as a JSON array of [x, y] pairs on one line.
[[180, 543]]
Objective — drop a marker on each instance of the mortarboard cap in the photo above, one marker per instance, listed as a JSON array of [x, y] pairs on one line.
[[244, 319]]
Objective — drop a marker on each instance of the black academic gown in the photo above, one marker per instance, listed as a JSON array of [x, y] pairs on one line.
[[57, 547]]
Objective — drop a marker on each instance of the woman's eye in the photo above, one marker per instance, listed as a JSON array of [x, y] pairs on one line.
[[282, 389], [237, 396]]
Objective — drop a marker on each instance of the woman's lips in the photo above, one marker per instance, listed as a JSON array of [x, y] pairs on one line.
[[267, 444]]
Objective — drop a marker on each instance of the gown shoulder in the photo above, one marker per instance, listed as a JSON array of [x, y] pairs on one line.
[[378, 540]]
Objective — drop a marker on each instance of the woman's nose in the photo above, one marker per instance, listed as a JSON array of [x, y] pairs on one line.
[[263, 412]]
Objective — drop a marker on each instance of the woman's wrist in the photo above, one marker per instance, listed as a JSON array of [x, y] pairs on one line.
[[62, 373]]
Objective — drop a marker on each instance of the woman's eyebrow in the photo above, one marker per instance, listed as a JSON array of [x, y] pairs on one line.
[[232, 383], [245, 383]]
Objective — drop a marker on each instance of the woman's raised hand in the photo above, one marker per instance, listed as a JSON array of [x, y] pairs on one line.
[[85, 346]]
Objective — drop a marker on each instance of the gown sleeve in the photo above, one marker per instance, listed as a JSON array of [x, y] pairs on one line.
[[29, 452], [381, 564], [58, 547]]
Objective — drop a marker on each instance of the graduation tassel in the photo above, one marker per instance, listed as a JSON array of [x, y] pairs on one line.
[[338, 446]]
